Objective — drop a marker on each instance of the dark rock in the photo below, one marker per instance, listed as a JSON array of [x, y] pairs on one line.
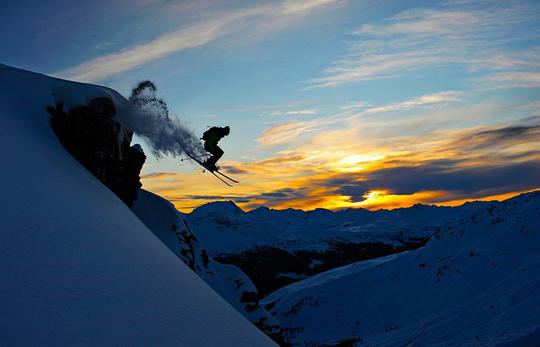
[[91, 135], [102, 107]]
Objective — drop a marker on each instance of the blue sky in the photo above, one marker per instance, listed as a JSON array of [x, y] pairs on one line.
[[332, 90]]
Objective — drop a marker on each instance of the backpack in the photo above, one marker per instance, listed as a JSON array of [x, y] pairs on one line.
[[208, 133], [213, 134]]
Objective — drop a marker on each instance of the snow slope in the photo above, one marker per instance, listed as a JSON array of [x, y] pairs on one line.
[[78, 267], [475, 284], [170, 226]]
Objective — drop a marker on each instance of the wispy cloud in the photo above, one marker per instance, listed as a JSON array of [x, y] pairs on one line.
[[262, 107], [294, 131], [515, 79], [306, 112], [422, 38], [283, 133], [375, 66], [300, 6], [355, 105], [159, 175], [424, 100], [501, 137], [195, 35], [233, 169]]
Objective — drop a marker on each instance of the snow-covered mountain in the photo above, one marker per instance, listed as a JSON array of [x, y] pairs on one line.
[[278, 247], [78, 267], [228, 229], [476, 283]]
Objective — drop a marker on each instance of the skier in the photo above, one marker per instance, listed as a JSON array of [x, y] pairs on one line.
[[211, 138]]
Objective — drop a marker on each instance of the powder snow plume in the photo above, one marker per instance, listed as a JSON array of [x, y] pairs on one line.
[[149, 118]]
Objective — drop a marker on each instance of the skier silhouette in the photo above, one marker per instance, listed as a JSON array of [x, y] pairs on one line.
[[211, 138]]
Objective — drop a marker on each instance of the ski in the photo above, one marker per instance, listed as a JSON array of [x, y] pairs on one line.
[[219, 178], [195, 159], [227, 177]]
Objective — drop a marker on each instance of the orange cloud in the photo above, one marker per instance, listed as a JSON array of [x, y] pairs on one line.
[[342, 169]]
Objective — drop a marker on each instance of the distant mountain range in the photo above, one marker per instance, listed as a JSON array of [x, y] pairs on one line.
[[278, 247], [431, 276]]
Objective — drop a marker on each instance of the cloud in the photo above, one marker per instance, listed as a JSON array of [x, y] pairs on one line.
[[294, 131], [526, 131], [283, 194], [306, 112], [298, 6], [425, 22], [424, 100], [511, 133], [262, 107], [190, 37], [355, 105], [356, 191], [428, 182], [438, 167], [415, 40], [145, 3], [286, 132], [236, 199], [159, 175], [455, 181], [516, 79], [195, 35], [281, 160], [232, 169], [270, 198], [374, 67]]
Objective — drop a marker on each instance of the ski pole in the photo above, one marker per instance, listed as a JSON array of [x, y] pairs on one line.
[[197, 157]]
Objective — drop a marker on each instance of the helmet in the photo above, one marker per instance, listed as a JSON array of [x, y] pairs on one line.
[[227, 130]]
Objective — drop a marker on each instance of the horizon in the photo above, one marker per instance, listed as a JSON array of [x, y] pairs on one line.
[[332, 103], [365, 209]]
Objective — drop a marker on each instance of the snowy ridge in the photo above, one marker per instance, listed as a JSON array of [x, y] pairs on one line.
[[78, 267], [475, 284], [225, 228]]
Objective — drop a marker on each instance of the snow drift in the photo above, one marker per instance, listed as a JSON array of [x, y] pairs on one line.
[[78, 267]]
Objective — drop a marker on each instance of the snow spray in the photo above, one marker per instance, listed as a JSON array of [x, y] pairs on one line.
[[149, 118]]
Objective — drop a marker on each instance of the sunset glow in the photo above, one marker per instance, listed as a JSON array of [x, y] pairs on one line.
[[331, 104]]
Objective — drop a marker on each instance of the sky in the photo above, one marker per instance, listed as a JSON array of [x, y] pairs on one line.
[[331, 103]]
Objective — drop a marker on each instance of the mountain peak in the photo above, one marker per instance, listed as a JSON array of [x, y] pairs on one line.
[[225, 206]]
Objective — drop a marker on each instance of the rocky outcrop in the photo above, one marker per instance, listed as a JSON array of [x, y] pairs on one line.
[[101, 144]]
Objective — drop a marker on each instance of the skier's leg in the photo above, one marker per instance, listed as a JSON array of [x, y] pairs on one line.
[[212, 150], [218, 153], [211, 162]]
